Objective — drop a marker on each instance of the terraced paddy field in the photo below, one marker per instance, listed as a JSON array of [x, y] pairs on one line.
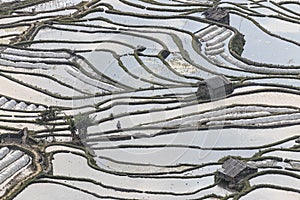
[[149, 99]]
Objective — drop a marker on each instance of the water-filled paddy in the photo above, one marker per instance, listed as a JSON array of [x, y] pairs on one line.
[[108, 92]]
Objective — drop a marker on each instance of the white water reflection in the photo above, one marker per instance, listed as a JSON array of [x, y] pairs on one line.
[[271, 50]]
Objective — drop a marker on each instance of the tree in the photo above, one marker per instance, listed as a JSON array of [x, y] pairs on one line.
[[80, 123], [47, 116], [72, 127]]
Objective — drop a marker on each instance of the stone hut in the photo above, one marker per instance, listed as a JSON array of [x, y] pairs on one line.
[[214, 88], [165, 53], [217, 14], [233, 172]]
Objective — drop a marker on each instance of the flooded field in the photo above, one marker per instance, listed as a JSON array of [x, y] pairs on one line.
[[149, 99]]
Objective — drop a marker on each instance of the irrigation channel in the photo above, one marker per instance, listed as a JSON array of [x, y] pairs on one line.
[[99, 99]]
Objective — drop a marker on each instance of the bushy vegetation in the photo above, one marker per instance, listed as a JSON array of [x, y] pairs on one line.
[[237, 43]]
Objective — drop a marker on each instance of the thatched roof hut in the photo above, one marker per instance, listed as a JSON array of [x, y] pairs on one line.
[[217, 14], [234, 171], [217, 87]]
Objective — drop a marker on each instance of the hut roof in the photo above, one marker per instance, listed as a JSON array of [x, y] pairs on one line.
[[233, 167], [217, 81], [215, 13], [140, 48]]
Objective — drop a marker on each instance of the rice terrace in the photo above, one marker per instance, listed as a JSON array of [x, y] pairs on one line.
[[150, 99]]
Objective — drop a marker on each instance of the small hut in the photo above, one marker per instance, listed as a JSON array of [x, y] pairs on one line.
[[140, 48], [217, 14], [233, 172], [214, 88], [165, 53]]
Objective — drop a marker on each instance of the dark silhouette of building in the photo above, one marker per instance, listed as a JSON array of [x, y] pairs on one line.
[[214, 88], [233, 172], [217, 14], [165, 53], [140, 48]]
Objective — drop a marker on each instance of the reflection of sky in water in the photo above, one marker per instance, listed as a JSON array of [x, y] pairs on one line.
[[269, 193], [294, 7], [189, 25], [279, 27], [282, 81], [263, 48]]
